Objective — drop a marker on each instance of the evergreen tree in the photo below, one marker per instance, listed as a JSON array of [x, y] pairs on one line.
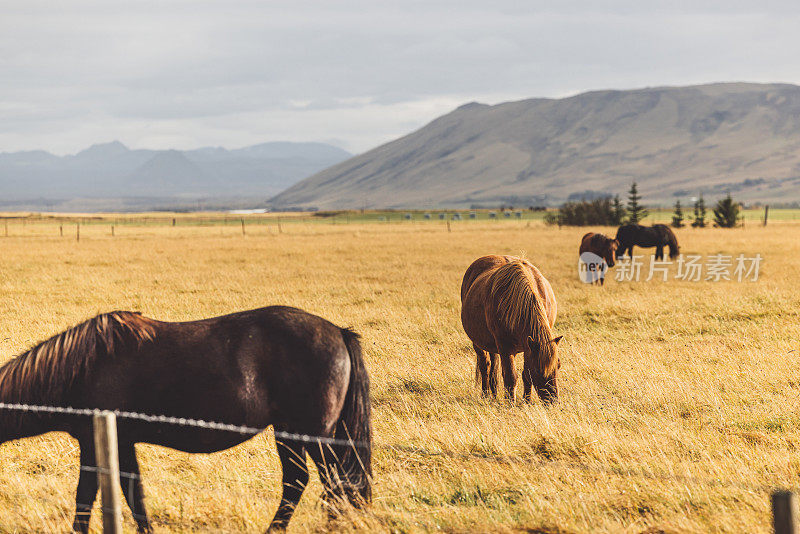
[[699, 213], [726, 213], [677, 216], [636, 212], [617, 212]]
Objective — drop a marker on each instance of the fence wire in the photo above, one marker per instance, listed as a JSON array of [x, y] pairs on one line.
[[128, 488], [181, 421], [322, 440]]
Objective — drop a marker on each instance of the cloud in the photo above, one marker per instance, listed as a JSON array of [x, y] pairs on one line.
[[235, 73]]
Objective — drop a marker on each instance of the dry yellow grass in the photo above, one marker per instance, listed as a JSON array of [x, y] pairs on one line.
[[678, 399]]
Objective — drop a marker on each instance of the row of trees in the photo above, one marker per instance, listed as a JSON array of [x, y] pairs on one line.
[[726, 213], [600, 211], [610, 212]]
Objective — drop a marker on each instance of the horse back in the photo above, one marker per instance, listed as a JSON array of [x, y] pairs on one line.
[[628, 232], [274, 365], [478, 267], [479, 316], [595, 243], [504, 331]]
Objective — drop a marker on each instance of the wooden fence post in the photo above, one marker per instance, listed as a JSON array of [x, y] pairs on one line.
[[784, 512], [766, 214], [107, 455], [243, 227], [112, 230], [78, 232]]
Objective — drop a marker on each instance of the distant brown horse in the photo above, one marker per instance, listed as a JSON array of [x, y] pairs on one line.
[[508, 307], [275, 366], [602, 246]]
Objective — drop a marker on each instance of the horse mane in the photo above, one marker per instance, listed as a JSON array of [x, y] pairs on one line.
[[45, 372], [600, 241], [521, 311]]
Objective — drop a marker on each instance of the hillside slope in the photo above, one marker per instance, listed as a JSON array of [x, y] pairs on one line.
[[674, 141]]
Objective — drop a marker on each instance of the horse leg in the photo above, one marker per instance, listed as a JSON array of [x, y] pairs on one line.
[[295, 479], [325, 460], [335, 493], [494, 370], [130, 480], [659, 252], [509, 376], [482, 369], [87, 487], [527, 377]]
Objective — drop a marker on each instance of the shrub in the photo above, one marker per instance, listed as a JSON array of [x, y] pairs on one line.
[[599, 212], [726, 213]]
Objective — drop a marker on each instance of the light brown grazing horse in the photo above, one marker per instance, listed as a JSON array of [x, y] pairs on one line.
[[508, 307], [601, 245]]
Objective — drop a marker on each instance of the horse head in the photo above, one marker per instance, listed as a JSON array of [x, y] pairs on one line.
[[545, 377], [610, 252]]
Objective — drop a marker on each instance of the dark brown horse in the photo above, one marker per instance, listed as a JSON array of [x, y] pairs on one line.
[[274, 366], [508, 307], [658, 235], [601, 245]]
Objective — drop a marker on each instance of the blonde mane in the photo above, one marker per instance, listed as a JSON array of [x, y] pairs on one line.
[[45, 372], [521, 311]]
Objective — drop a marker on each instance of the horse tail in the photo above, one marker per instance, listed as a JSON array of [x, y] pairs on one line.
[[354, 463]]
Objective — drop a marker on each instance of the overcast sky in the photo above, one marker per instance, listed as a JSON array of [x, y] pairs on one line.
[[185, 74]]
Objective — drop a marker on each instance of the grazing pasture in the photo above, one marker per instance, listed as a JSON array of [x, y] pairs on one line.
[[678, 401]]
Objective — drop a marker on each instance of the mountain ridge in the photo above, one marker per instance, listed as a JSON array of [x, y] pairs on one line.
[[674, 142]]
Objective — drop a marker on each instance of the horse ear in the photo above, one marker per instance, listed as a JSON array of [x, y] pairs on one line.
[[557, 340]]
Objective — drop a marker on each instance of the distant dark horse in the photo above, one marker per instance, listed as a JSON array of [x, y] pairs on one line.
[[275, 366], [658, 235]]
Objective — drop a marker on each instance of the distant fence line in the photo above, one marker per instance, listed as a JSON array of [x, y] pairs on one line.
[[662, 215]]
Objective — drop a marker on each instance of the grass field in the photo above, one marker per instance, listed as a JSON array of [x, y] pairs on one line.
[[678, 408]]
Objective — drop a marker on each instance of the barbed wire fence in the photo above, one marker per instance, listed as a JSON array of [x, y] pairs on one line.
[[107, 469], [786, 517]]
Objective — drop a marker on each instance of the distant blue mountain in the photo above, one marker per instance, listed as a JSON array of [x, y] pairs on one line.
[[113, 171]]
